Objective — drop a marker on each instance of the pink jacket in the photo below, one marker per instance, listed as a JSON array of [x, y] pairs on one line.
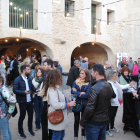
[[135, 70]]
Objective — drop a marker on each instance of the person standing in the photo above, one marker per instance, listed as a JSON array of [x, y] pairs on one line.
[[108, 66], [81, 59], [16, 64], [139, 63], [130, 64], [2, 70], [23, 89], [57, 101], [81, 89], [112, 77], [47, 65], [59, 66], [73, 73], [11, 71], [84, 63], [38, 103], [33, 56], [95, 118], [7, 64], [135, 68], [5, 110]]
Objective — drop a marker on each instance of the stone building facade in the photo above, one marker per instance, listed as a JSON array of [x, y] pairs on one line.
[[59, 36]]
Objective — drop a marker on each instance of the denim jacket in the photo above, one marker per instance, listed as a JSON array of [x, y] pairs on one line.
[[84, 88], [4, 109]]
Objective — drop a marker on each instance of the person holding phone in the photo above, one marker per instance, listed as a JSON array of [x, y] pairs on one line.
[[81, 88], [23, 88]]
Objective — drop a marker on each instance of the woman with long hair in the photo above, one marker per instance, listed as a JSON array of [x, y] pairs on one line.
[[81, 89], [16, 64], [56, 101], [38, 104]]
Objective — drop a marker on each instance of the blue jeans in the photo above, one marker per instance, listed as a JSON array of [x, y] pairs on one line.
[[4, 76], [5, 130], [38, 105], [58, 135], [94, 132]]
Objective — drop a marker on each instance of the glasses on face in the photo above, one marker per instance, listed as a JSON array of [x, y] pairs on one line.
[[115, 76]]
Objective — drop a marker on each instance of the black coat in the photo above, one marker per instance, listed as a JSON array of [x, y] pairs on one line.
[[19, 88], [73, 75], [96, 111]]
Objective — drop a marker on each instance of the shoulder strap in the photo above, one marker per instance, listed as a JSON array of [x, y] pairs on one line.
[[4, 100], [58, 96]]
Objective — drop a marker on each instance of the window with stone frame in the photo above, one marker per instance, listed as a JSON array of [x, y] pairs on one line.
[[69, 8], [93, 19], [21, 14]]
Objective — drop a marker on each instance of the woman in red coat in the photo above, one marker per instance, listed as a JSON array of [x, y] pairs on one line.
[[135, 68]]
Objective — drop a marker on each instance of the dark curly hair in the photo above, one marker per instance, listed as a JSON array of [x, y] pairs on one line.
[[53, 78], [125, 69]]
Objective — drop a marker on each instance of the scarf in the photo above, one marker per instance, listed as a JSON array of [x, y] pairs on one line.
[[80, 82], [40, 80], [127, 79], [120, 92]]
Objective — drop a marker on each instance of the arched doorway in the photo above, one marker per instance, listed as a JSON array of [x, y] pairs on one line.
[[93, 51], [24, 46]]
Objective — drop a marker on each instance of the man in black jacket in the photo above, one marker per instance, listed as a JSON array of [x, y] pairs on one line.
[[22, 88], [95, 117], [73, 73]]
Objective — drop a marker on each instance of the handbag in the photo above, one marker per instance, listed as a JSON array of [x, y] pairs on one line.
[[57, 116], [78, 107]]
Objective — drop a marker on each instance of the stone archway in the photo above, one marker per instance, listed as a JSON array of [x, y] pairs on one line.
[[20, 46], [98, 52], [94, 53]]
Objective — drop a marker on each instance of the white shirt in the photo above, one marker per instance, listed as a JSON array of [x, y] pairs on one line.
[[28, 96]]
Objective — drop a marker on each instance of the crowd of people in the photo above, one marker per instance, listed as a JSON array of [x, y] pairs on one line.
[[96, 94]]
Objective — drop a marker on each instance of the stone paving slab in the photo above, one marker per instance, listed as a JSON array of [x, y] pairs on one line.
[[70, 130]]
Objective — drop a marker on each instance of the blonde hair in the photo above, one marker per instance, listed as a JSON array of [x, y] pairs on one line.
[[27, 61]]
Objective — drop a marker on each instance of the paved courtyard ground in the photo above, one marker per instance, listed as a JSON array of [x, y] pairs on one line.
[[70, 130]]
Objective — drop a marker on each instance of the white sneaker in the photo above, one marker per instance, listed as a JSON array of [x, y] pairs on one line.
[[115, 130], [109, 133]]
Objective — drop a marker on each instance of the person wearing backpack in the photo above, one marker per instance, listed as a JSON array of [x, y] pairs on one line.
[[7, 107]]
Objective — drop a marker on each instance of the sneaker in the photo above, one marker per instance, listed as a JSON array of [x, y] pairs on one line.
[[109, 133], [31, 133], [37, 129], [22, 135], [115, 130]]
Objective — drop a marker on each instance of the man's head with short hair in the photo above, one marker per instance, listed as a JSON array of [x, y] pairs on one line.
[[77, 63], [107, 64], [25, 69], [48, 64], [55, 64], [138, 60], [130, 59], [33, 55], [98, 71]]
